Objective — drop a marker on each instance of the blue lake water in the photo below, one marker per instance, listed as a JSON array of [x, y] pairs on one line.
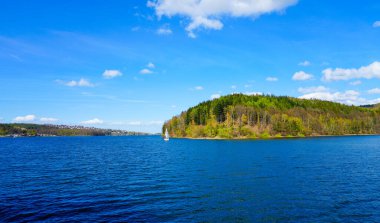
[[144, 179]]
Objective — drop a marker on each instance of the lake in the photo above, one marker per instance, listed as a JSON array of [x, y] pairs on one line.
[[145, 179]]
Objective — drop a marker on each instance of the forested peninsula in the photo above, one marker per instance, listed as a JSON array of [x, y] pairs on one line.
[[240, 116]]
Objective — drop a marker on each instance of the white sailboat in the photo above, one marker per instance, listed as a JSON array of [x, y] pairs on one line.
[[166, 135]]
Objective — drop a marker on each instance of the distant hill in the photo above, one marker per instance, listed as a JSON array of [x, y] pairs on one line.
[[371, 106], [58, 130], [256, 116]]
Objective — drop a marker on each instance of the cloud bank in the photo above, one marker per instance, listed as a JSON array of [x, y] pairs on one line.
[[33, 118], [26, 118], [349, 97], [338, 74], [374, 91]]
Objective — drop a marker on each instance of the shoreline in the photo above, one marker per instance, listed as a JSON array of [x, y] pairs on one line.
[[273, 137], [54, 136]]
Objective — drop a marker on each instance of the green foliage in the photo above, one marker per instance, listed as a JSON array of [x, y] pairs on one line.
[[3, 132], [243, 116], [246, 131], [265, 135], [285, 124], [278, 135], [31, 132], [225, 132]]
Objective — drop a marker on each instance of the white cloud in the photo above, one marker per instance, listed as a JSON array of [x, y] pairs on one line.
[[215, 96], [48, 120], [151, 65], [253, 93], [355, 83], [146, 71], [26, 118], [198, 88], [31, 118], [376, 24], [203, 22], [271, 79], [312, 89], [233, 87], [164, 31], [302, 76], [305, 63], [368, 72], [81, 83], [108, 74], [208, 13], [374, 91], [349, 97], [94, 121]]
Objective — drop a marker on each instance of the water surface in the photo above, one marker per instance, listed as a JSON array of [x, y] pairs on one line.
[[144, 179]]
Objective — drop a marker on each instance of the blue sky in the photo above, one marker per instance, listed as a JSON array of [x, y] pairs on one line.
[[134, 64]]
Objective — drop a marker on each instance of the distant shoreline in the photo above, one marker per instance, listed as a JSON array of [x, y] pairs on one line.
[[15, 130], [74, 136]]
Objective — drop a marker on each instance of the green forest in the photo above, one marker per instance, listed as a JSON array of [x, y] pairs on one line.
[[268, 116]]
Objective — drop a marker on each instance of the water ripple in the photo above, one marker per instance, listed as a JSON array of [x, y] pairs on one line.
[[144, 179]]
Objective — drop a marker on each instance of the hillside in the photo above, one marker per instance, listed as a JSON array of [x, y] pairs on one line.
[[58, 130], [256, 116]]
